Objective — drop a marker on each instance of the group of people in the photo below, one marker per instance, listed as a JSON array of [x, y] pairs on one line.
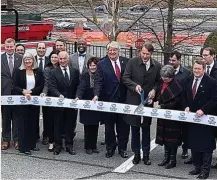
[[112, 78]]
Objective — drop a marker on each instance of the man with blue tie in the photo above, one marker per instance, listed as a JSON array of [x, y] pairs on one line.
[[109, 87], [10, 61]]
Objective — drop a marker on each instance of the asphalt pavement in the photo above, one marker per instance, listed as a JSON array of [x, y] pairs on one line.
[[44, 165]]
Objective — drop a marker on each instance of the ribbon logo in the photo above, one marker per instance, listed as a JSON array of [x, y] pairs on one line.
[[100, 106], [212, 120], [113, 107], [182, 116], [127, 109], [87, 104], [35, 100], [48, 101], [154, 112], [168, 114], [74, 103], [10, 100]]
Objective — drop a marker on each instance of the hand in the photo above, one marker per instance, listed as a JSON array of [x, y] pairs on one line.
[[199, 113], [76, 98], [28, 96], [156, 105], [25, 91], [61, 96], [187, 109], [95, 98], [150, 101], [151, 94], [138, 89], [42, 94]]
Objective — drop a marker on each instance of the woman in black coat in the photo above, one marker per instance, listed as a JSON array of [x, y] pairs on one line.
[[168, 96], [49, 110], [90, 119], [28, 81]]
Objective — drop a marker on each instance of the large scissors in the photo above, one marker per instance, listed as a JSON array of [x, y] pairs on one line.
[[143, 101]]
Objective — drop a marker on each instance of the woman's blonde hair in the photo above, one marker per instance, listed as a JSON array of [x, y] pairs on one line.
[[28, 55]]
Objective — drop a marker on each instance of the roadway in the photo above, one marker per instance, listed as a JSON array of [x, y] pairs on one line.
[[44, 165]]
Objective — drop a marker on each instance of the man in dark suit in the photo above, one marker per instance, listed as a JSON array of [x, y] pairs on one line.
[[181, 74], [200, 96], [208, 55], [109, 87], [60, 45], [10, 61], [79, 59], [142, 74], [42, 61], [64, 81]]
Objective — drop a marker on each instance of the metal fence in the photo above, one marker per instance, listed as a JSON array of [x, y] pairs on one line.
[[100, 51]]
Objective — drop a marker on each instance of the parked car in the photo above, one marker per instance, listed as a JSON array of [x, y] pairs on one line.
[[138, 9], [100, 9], [70, 26]]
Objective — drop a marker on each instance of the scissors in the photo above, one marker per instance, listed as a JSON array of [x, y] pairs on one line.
[[143, 101]]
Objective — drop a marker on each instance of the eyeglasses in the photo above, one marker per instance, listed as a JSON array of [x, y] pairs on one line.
[[205, 55]]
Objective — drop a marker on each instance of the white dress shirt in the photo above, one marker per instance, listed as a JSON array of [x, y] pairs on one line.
[[81, 60], [30, 81], [43, 61], [177, 70], [147, 64], [118, 63], [211, 66], [12, 55], [67, 70], [198, 82]]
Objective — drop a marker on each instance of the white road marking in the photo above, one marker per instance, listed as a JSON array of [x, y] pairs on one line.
[[128, 164]]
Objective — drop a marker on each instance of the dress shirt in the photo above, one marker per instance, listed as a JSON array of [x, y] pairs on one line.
[[43, 61], [12, 55], [147, 64], [211, 66], [118, 63], [198, 82], [177, 70], [81, 60], [67, 70]]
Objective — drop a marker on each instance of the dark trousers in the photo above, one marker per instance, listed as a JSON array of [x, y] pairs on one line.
[[90, 136], [135, 144], [113, 120], [185, 136], [9, 116], [27, 127], [64, 117], [202, 161], [46, 120], [49, 127]]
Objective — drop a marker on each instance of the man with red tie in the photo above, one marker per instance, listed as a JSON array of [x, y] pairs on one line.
[[109, 87], [200, 97]]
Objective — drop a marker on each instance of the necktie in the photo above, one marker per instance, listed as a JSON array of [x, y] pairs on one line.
[[66, 76], [208, 71], [11, 65], [117, 71], [41, 64], [194, 88], [145, 65]]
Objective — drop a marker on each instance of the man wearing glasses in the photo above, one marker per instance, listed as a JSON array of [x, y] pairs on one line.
[[208, 55]]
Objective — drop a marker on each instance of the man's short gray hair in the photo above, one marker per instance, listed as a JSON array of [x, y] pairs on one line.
[[167, 71], [113, 44], [25, 56]]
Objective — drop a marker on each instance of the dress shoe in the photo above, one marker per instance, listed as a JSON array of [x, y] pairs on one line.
[[35, 149], [5, 145], [89, 151], [95, 151], [194, 172], [56, 151], [203, 176], [184, 154], [109, 153], [51, 147], [214, 166], [45, 141], [16, 145], [137, 158], [123, 154], [70, 150], [27, 153], [146, 159], [188, 161]]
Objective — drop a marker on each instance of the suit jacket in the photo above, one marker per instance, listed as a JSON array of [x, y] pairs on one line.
[[73, 61], [59, 86], [47, 60], [20, 82], [182, 75], [213, 72], [6, 78], [106, 84], [47, 72], [136, 74], [200, 137]]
